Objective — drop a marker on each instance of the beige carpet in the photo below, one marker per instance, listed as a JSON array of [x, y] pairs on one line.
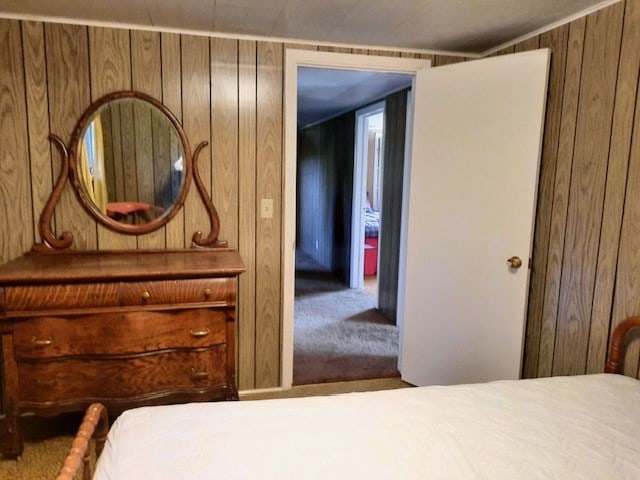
[[339, 334], [47, 441]]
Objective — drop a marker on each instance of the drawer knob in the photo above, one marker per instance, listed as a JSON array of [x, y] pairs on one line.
[[199, 374], [207, 292], [200, 333], [41, 342], [146, 296]]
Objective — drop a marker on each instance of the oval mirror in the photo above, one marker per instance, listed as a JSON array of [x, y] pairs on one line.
[[131, 162]]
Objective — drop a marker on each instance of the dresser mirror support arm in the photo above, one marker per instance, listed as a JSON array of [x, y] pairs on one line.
[[211, 241], [49, 240]]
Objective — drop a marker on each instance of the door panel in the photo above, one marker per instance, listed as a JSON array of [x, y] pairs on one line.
[[473, 180]]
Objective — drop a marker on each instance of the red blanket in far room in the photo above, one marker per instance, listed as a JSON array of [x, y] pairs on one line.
[[370, 256]]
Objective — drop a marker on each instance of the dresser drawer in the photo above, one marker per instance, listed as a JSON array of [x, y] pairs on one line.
[[73, 379], [179, 291], [118, 334], [60, 297]]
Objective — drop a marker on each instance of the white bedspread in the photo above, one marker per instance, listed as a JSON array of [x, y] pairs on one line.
[[584, 427]]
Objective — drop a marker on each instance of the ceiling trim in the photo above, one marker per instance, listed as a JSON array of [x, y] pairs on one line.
[[547, 28], [234, 36]]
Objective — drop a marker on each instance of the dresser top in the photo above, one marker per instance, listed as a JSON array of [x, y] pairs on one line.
[[37, 268]]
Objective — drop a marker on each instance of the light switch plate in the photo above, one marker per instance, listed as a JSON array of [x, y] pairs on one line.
[[266, 208]]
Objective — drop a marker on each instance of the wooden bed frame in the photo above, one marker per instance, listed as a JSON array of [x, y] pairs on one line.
[[96, 421], [95, 424], [617, 346]]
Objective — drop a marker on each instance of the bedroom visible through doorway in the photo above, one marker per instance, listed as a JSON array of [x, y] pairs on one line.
[[367, 198]]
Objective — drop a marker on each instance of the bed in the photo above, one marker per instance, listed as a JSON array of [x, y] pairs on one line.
[[584, 426], [371, 223]]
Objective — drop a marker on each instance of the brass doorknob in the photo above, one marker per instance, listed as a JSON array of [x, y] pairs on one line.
[[514, 262]]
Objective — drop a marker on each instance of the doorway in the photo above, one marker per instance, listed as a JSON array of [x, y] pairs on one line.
[[337, 226], [513, 85], [339, 332], [367, 198], [295, 59]]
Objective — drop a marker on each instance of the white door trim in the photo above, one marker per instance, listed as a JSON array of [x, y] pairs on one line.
[[404, 222], [360, 170], [293, 60]]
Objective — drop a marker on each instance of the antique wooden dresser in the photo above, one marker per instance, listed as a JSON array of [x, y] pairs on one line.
[[123, 328]]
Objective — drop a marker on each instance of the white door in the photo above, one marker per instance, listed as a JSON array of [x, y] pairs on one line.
[[477, 132]]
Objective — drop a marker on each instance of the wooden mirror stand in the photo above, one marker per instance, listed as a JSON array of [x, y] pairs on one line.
[[70, 170]]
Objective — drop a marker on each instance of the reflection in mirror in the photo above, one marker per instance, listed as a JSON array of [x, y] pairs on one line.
[[131, 161]]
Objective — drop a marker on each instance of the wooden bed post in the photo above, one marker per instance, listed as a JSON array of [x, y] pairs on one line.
[[95, 424], [616, 347]]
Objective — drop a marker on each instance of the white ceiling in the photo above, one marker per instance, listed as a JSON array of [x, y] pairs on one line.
[[462, 26], [442, 25]]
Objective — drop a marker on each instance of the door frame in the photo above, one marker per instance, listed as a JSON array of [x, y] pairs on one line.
[[293, 60], [360, 173]]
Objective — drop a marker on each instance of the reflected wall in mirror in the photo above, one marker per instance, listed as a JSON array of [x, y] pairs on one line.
[[131, 161]]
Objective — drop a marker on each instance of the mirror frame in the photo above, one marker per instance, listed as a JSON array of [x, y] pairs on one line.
[[88, 204], [69, 168]]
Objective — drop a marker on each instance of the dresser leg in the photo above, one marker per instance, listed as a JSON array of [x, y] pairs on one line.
[[10, 438], [12, 445], [231, 393]]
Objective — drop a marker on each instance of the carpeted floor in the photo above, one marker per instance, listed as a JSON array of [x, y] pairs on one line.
[[339, 334], [47, 441]]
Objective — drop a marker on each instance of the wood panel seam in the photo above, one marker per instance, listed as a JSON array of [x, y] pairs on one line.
[[564, 237], [598, 266], [547, 240], [27, 124]]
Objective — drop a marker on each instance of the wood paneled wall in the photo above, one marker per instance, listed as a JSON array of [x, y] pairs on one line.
[[324, 192], [395, 119], [586, 260], [228, 92]]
